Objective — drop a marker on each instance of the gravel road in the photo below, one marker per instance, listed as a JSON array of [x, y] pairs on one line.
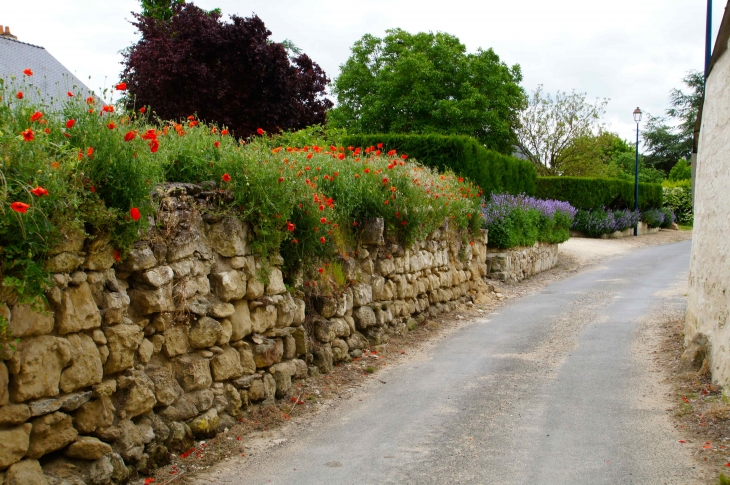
[[553, 388]]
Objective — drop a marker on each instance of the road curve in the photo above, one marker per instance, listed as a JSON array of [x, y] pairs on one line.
[[548, 389]]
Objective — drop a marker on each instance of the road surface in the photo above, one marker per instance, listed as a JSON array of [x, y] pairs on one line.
[[553, 388]]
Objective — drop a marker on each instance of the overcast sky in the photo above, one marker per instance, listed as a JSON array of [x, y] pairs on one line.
[[630, 51]]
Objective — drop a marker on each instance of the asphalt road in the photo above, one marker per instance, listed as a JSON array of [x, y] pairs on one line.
[[552, 388]]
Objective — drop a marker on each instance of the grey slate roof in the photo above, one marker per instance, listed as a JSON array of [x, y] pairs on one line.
[[50, 78]]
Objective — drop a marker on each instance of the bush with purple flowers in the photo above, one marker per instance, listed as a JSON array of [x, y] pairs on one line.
[[520, 220], [601, 221]]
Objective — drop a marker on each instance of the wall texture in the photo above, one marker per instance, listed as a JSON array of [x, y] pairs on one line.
[[518, 264], [134, 359], [706, 325]]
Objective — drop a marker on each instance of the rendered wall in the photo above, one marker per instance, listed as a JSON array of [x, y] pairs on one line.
[[706, 326]]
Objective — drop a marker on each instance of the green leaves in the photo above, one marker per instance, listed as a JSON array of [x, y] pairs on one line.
[[427, 83]]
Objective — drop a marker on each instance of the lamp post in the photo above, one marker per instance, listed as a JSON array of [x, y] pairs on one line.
[[637, 118]]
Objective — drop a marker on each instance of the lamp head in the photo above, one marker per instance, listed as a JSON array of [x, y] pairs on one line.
[[637, 115]]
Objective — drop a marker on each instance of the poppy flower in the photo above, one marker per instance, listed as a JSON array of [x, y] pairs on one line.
[[111, 126], [70, 123], [19, 95], [194, 123], [20, 207], [154, 146], [134, 212], [129, 136], [290, 227], [323, 220], [341, 156], [27, 72], [226, 177], [70, 94], [121, 87], [36, 116], [108, 108], [377, 153], [28, 135], [385, 180], [117, 255], [281, 179], [404, 156], [322, 239], [39, 191], [147, 481], [90, 100], [47, 131], [392, 152], [89, 152], [217, 144], [321, 270], [380, 145], [260, 131], [321, 207], [461, 179], [224, 132], [143, 110]]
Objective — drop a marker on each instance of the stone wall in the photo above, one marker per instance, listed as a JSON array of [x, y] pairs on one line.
[[134, 359], [517, 264], [644, 229], [707, 329]]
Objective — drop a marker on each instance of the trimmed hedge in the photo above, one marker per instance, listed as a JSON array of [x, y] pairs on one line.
[[492, 171], [592, 193]]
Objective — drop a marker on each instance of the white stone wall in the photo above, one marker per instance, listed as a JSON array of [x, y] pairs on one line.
[[706, 326], [516, 264]]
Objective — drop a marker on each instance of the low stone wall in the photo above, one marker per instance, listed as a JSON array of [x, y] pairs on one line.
[[517, 264], [643, 230], [134, 359]]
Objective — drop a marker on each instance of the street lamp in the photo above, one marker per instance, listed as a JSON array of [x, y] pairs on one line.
[[637, 118]]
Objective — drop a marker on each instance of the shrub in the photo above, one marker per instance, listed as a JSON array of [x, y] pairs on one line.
[[679, 201], [593, 193], [681, 170], [601, 221], [653, 218], [669, 218], [491, 171], [521, 220]]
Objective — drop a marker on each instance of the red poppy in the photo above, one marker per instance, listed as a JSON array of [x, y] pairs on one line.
[[130, 136], [404, 156], [39, 191], [154, 146], [323, 220], [143, 110], [117, 255], [36, 116], [226, 177], [150, 134], [70, 123], [380, 145], [147, 481], [321, 207], [70, 94], [281, 179], [385, 180], [290, 227], [90, 100], [28, 135], [461, 179], [224, 132], [47, 131], [377, 153], [260, 131], [19, 207], [194, 123], [19, 95], [121, 86], [322, 239], [321, 270], [27, 72], [89, 152], [111, 126], [217, 144], [108, 108], [341, 156], [134, 212]]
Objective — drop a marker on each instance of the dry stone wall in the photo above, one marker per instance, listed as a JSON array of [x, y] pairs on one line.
[[515, 265], [132, 360]]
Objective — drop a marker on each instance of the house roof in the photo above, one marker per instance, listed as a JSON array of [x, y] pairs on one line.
[[50, 79]]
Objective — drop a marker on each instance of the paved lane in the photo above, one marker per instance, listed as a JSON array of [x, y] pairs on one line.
[[547, 390]]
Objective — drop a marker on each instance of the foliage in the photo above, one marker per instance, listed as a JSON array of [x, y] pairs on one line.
[[491, 171], [679, 200], [669, 218], [548, 128], [653, 218], [623, 167], [666, 143], [601, 221], [521, 220], [159, 9], [681, 171], [99, 164], [427, 83], [670, 184], [194, 63], [593, 193]]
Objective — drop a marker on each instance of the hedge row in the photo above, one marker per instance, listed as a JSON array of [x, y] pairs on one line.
[[593, 193], [492, 171]]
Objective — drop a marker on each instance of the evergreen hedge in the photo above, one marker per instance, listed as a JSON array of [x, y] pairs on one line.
[[490, 170], [593, 193]]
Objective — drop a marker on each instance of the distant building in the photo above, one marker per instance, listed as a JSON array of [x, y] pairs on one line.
[[50, 80], [707, 326]]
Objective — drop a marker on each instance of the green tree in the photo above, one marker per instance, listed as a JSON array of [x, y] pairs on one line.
[[427, 83], [550, 129], [667, 143], [592, 155], [681, 170], [159, 9]]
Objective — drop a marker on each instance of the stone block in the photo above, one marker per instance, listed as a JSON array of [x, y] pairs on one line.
[[268, 352], [229, 237], [77, 310], [94, 414], [176, 341], [371, 231], [137, 394], [36, 367], [167, 390], [87, 448], [26, 472], [229, 285], [362, 294], [263, 318], [226, 365], [4, 384], [248, 363], [255, 289], [25, 322], [323, 358], [364, 317], [276, 282], [14, 442], [193, 372], [86, 368], [323, 330], [157, 277], [138, 259], [50, 433], [205, 425], [205, 332], [12, 414], [146, 302], [123, 341]]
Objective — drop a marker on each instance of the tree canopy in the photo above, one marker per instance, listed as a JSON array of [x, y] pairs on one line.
[[427, 83], [667, 143], [550, 129], [229, 73]]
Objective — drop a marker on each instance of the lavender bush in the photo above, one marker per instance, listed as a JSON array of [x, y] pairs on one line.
[[520, 220], [601, 221]]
